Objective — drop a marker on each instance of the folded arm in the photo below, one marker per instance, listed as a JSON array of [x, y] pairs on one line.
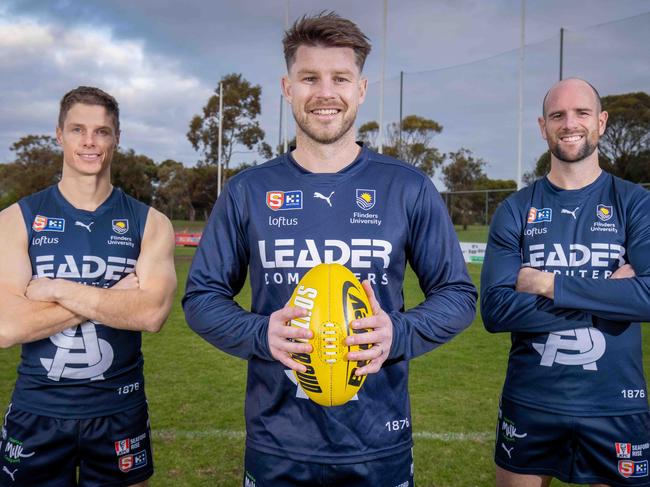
[[23, 320], [505, 307], [144, 307]]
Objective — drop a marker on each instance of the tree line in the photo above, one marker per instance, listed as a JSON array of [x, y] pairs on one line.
[[184, 192]]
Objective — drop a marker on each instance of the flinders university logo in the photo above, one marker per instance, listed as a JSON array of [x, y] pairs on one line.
[[79, 357], [604, 212], [120, 226], [365, 198]]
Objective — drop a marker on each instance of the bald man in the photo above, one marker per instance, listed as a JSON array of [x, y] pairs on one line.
[[567, 272]]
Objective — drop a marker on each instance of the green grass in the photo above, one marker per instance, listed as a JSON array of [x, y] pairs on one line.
[[196, 399], [474, 233]]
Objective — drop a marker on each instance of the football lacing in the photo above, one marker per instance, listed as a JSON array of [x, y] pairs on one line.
[[330, 345]]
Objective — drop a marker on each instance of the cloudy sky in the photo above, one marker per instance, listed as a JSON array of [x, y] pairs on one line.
[[161, 59]]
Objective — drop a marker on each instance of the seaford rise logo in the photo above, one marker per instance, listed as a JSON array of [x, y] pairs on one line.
[[359, 253], [575, 255], [88, 267]]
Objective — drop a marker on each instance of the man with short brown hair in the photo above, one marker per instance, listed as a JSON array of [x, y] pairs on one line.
[[329, 200], [85, 269]]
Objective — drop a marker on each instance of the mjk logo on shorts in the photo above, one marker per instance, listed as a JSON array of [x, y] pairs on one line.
[[628, 468], [284, 200], [45, 224], [539, 215]]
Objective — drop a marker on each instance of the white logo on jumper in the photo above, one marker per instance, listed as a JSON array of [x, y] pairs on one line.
[[587, 345], [87, 349], [80, 224], [569, 212], [300, 394], [318, 195]]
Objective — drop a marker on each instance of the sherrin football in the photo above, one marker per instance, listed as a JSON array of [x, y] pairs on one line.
[[333, 296]]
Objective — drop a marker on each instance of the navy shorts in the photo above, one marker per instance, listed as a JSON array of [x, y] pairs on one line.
[[264, 470], [43, 451], [613, 450]]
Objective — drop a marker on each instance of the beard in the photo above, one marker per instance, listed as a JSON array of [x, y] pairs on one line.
[[321, 134], [588, 147]]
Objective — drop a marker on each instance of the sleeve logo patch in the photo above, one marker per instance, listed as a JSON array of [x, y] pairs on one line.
[[284, 200], [47, 224], [539, 215]]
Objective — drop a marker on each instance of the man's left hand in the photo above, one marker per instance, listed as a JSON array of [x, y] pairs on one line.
[[380, 336]]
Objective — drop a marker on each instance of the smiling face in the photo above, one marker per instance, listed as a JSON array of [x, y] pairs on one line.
[[573, 122], [325, 88], [88, 138]]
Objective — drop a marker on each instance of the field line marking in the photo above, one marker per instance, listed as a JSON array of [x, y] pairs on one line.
[[171, 434]]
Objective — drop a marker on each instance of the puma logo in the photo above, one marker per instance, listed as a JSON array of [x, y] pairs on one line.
[[11, 474], [318, 195], [87, 227], [508, 451], [569, 212]]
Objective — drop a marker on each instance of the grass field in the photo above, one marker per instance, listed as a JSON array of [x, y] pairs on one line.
[[196, 398]]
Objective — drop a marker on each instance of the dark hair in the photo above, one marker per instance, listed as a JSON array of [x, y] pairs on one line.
[[89, 95], [326, 29], [598, 102]]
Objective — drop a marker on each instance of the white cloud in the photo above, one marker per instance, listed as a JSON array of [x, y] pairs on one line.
[[44, 60]]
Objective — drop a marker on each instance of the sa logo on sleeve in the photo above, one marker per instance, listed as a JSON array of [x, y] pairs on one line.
[[46, 224], [284, 200]]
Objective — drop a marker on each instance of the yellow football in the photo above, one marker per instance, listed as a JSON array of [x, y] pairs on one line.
[[333, 296]]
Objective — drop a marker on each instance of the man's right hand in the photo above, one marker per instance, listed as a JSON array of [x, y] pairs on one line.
[[626, 271], [282, 337]]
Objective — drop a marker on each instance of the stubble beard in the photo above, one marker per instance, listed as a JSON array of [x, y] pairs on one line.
[[323, 137], [588, 147]]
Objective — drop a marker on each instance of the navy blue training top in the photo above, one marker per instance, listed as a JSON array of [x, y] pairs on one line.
[[89, 370], [276, 221], [580, 353]]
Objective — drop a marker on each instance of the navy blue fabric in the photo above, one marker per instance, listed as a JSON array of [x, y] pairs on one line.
[[613, 450], [278, 221], [583, 348], [89, 370], [42, 451], [263, 470]]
